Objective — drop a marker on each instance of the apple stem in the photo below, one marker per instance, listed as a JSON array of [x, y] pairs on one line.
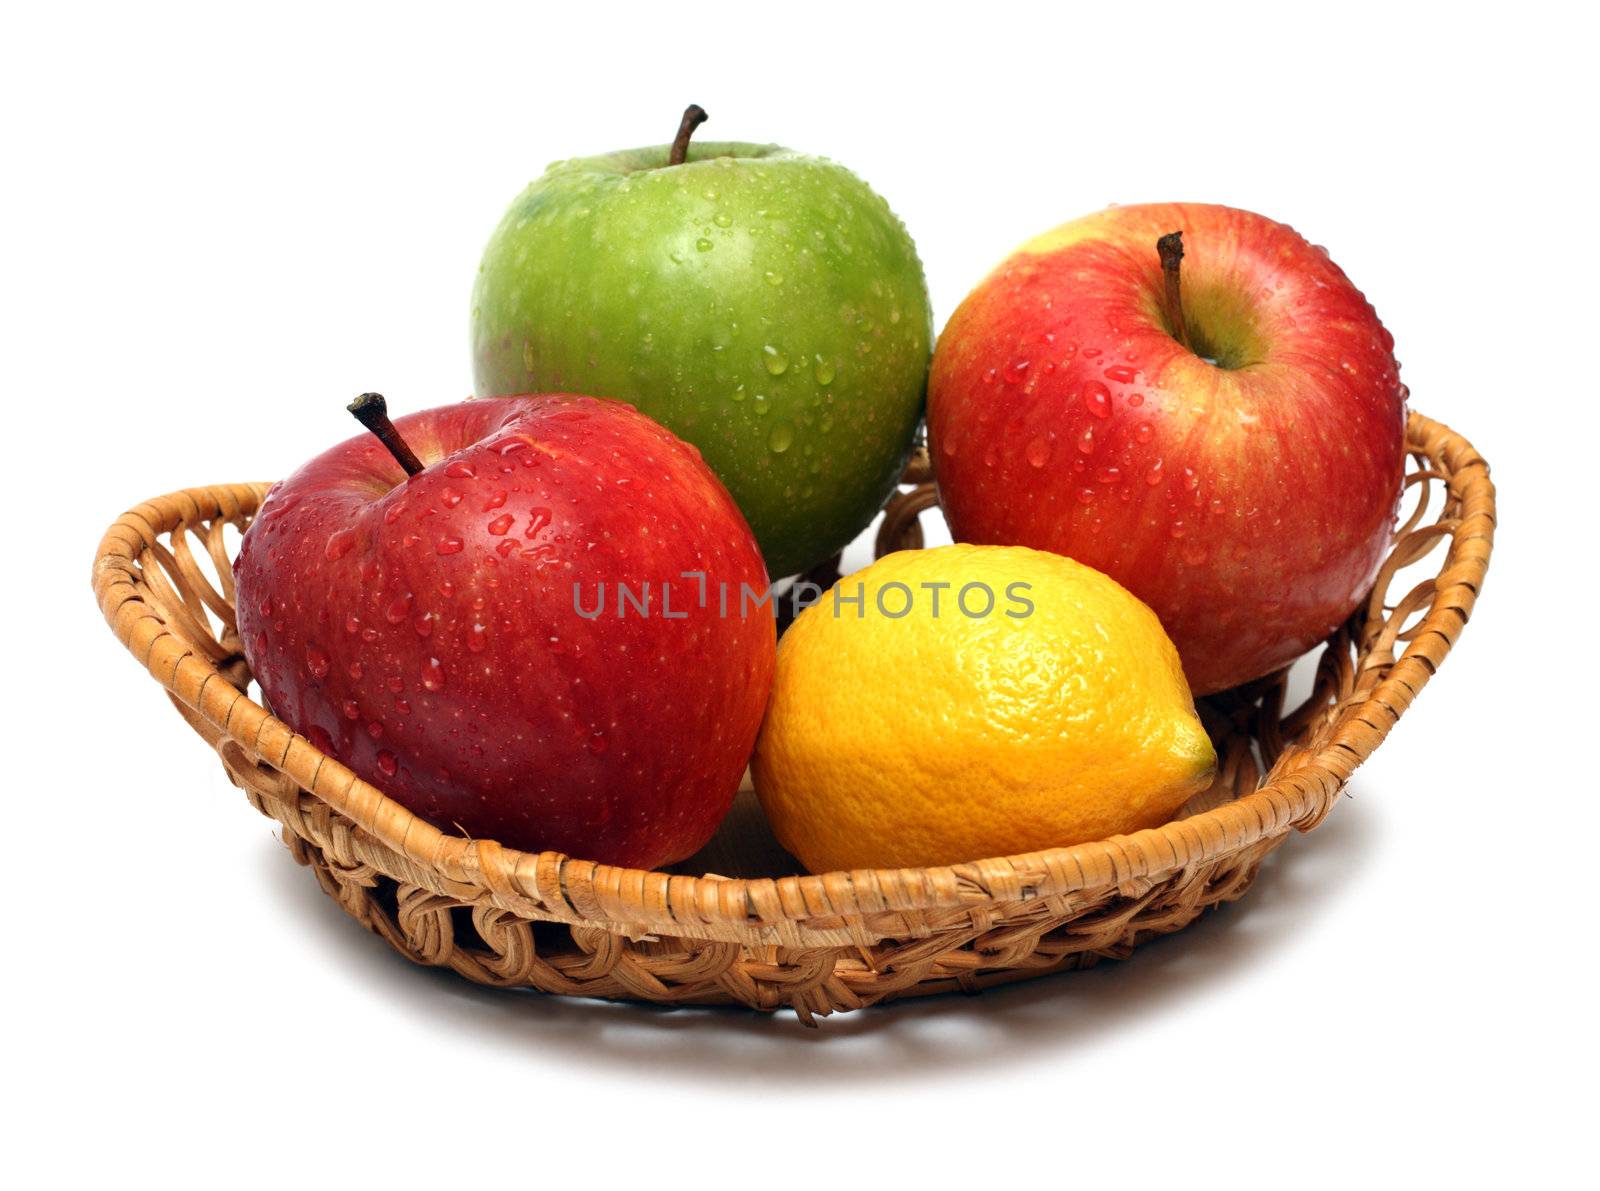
[[693, 116], [1170, 248], [372, 411]]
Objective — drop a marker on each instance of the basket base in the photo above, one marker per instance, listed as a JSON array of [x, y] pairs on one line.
[[1006, 944]]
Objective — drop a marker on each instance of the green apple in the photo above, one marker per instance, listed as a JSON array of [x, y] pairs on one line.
[[764, 305]]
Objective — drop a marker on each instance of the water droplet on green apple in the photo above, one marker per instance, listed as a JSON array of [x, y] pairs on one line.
[[776, 361], [773, 278], [781, 437], [722, 219], [703, 244], [822, 368]]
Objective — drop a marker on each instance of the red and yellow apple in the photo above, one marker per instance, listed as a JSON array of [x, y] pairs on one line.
[[1224, 438], [438, 632]]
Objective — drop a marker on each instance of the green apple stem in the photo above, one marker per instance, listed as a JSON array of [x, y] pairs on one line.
[[372, 411], [693, 116], [1170, 248]]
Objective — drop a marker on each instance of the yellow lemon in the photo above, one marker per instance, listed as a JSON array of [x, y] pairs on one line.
[[970, 701]]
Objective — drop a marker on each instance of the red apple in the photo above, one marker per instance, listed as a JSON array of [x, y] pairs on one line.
[[1231, 450], [436, 632]]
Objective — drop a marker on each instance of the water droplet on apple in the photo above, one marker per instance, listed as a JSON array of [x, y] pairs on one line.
[[538, 518], [1038, 452], [703, 244], [339, 544], [387, 765], [596, 743], [449, 545], [261, 644], [352, 623], [1121, 374], [1143, 432], [776, 361], [432, 675], [1136, 399], [265, 607], [1085, 496], [317, 661], [392, 513], [1153, 476], [1086, 441], [450, 499], [773, 278], [375, 729], [352, 711], [403, 707], [722, 219], [1097, 399], [511, 446], [500, 524], [1178, 529], [823, 370], [477, 637], [460, 470], [1015, 372], [1190, 480], [424, 624], [398, 609], [781, 437], [495, 501], [1108, 475]]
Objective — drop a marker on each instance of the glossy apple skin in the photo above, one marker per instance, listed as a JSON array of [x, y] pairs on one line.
[[1249, 507], [764, 305], [423, 630]]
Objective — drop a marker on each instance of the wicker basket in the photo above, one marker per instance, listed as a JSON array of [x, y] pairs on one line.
[[818, 944]]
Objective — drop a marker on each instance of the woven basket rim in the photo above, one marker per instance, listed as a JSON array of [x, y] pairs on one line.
[[1297, 793]]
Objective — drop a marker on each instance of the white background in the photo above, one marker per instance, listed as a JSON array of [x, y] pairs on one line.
[[219, 225]]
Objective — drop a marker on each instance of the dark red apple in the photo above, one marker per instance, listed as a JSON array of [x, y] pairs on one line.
[[437, 632], [1230, 451]]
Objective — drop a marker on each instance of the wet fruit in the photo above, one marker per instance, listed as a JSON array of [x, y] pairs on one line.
[[522, 640], [764, 305], [970, 701], [1238, 471]]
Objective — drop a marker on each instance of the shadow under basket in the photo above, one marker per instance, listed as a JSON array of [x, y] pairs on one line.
[[818, 944]]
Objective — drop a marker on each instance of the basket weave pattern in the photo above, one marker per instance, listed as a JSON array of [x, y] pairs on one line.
[[818, 944]]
